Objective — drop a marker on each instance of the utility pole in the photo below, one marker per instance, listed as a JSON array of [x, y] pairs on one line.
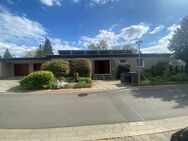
[[139, 60]]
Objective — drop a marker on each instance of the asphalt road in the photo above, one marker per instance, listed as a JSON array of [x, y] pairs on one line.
[[79, 109]]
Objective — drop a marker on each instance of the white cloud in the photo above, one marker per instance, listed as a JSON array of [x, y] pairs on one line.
[[134, 31], [92, 3], [15, 28], [15, 50], [162, 45], [102, 1], [51, 2], [20, 34], [76, 1], [157, 29], [10, 1], [127, 35], [106, 35], [58, 44]]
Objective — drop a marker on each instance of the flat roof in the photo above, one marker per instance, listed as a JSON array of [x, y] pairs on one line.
[[87, 54], [106, 55], [24, 59]]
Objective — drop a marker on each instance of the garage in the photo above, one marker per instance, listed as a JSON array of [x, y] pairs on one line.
[[21, 69]]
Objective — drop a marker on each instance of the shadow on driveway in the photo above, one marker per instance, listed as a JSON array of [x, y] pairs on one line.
[[18, 89], [179, 95]]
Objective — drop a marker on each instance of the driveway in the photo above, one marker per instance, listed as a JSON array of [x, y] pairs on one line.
[[78, 109], [9, 85]]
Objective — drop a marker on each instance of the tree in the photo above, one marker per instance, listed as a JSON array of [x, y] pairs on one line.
[[0, 57], [47, 48], [39, 52], [7, 54], [31, 53], [116, 47], [93, 46], [101, 45], [179, 42], [131, 48]]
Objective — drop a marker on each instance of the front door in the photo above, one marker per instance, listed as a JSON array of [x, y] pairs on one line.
[[102, 66]]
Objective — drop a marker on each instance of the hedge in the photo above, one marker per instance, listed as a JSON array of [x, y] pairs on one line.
[[157, 70], [180, 77], [81, 66], [38, 80], [59, 68]]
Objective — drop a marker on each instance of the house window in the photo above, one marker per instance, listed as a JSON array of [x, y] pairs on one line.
[[123, 61], [141, 63]]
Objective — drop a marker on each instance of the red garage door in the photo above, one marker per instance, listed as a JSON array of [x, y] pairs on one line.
[[21, 69]]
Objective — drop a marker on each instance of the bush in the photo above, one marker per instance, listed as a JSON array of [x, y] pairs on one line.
[[181, 77], [158, 69], [172, 69], [122, 69], [81, 66], [82, 84], [58, 84], [68, 86], [38, 80], [69, 79], [159, 80], [59, 68], [85, 79]]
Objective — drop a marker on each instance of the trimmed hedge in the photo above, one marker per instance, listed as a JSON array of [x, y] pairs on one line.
[[59, 68], [81, 66], [38, 80]]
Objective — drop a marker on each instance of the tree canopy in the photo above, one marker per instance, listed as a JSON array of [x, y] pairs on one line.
[[31, 53], [101, 45], [179, 42], [7, 54], [131, 48], [45, 49]]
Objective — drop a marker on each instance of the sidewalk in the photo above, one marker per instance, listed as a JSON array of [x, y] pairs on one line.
[[165, 136], [156, 130]]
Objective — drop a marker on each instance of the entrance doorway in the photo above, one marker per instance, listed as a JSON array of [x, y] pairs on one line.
[[102, 66], [37, 66]]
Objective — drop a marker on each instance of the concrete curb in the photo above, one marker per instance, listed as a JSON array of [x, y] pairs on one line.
[[87, 90], [95, 132]]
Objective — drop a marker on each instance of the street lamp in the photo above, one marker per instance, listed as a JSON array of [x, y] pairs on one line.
[[139, 61]]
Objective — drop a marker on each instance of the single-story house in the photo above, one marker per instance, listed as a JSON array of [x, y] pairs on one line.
[[104, 62]]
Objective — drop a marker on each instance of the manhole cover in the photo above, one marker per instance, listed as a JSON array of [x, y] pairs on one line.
[[82, 94]]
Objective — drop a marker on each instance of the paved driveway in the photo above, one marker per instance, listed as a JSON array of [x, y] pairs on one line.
[[77, 109], [9, 85]]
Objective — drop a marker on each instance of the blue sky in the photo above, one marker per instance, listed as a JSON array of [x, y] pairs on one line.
[[73, 24]]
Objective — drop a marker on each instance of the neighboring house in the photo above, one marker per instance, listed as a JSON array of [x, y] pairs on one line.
[[104, 62]]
